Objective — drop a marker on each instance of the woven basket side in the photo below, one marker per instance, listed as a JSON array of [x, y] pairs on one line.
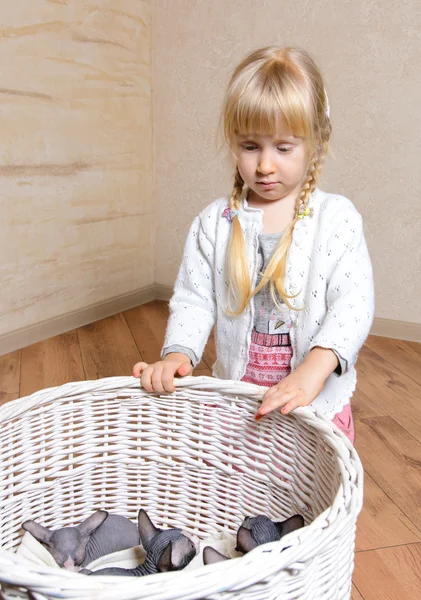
[[75, 456]]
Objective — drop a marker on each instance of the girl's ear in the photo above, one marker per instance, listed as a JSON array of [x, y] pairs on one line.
[[40, 533], [245, 542], [147, 529], [89, 525]]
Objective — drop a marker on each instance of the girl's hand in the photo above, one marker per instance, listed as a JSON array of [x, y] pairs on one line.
[[302, 386], [159, 377]]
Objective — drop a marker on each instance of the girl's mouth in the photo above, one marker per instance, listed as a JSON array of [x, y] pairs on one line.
[[267, 185]]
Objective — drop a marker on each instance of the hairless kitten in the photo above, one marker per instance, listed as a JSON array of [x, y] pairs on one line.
[[253, 532], [166, 550], [100, 534]]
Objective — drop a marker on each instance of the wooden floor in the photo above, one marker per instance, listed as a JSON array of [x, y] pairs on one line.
[[387, 409]]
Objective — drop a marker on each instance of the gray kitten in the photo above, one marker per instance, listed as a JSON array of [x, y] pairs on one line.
[[99, 534], [166, 550], [253, 532]]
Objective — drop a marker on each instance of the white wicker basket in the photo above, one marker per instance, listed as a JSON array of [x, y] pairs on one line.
[[195, 459]]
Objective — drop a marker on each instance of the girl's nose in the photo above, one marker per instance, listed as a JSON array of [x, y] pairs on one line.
[[266, 164]]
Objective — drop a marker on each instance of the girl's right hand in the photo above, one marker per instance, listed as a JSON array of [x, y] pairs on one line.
[[159, 377]]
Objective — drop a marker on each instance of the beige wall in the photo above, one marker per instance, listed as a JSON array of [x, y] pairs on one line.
[[76, 156], [76, 178], [370, 54]]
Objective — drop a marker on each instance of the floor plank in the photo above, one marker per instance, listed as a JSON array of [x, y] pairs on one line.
[[381, 523], [145, 325], [391, 390], [364, 408], [355, 595], [406, 356], [209, 354], [392, 458], [390, 573], [10, 365], [148, 324], [107, 348], [200, 372], [51, 362]]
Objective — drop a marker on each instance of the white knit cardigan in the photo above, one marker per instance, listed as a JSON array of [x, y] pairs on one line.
[[328, 264]]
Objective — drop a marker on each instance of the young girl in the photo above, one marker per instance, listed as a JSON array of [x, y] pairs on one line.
[[280, 267]]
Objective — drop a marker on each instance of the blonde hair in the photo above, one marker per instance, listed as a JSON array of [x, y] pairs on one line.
[[268, 85]]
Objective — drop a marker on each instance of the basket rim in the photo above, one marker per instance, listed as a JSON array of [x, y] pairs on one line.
[[13, 408]]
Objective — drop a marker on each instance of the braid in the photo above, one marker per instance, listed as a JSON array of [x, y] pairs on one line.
[[310, 182], [313, 172], [237, 271], [234, 202], [320, 151]]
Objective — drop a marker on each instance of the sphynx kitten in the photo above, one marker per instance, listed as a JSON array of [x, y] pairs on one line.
[[74, 547], [253, 532], [166, 550]]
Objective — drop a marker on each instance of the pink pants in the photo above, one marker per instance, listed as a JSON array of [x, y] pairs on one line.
[[345, 422], [270, 361]]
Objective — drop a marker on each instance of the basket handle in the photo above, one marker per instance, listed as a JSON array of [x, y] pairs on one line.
[[224, 386]]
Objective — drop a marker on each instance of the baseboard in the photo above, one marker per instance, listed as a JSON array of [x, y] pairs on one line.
[[41, 331], [163, 292], [399, 330], [21, 338]]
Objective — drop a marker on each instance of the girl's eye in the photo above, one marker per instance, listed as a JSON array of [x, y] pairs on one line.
[[284, 149], [249, 147]]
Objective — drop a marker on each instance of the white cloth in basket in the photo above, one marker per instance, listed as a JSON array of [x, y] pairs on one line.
[[33, 551]]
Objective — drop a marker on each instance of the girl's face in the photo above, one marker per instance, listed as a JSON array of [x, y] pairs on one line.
[[272, 166]]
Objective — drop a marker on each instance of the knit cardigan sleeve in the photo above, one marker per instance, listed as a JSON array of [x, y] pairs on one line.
[[350, 289], [193, 305]]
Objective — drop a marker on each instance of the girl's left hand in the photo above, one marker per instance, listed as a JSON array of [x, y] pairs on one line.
[[299, 388]]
